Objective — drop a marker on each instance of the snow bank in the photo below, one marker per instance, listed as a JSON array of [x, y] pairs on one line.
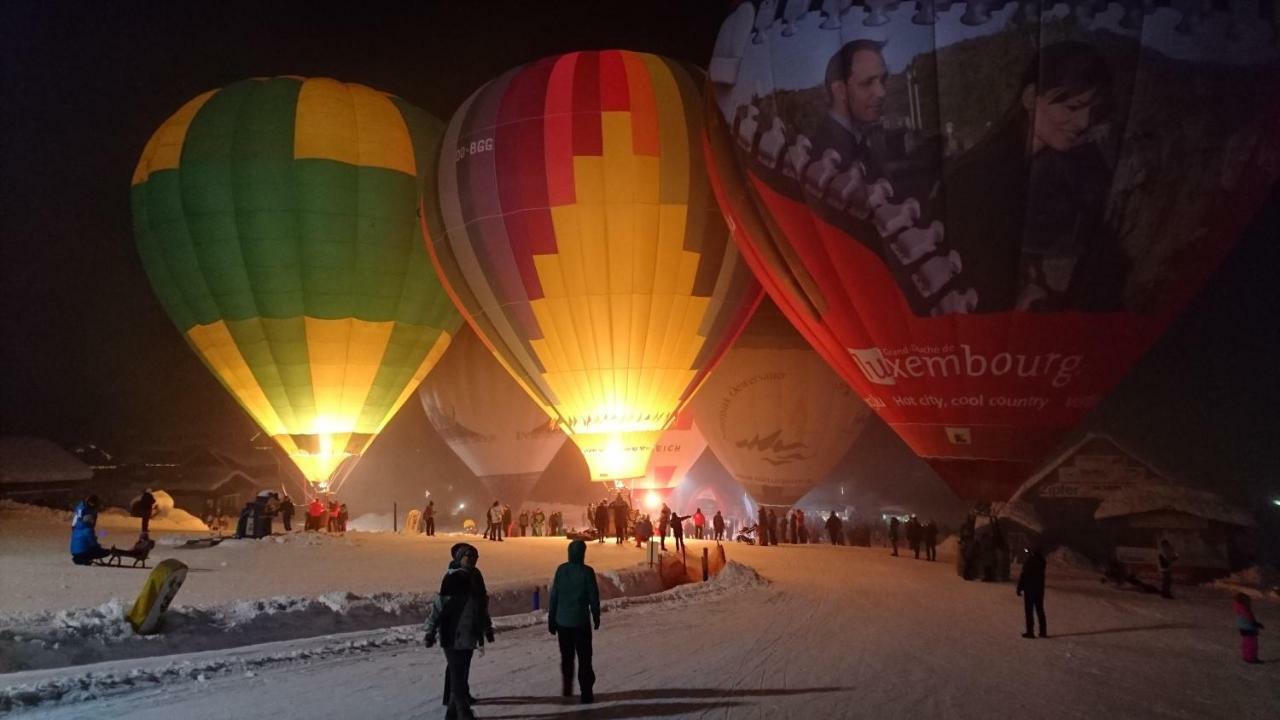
[[174, 519], [371, 522], [86, 686], [1065, 557], [1255, 582]]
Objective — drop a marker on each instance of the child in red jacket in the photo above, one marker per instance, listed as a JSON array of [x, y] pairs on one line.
[[1249, 627]]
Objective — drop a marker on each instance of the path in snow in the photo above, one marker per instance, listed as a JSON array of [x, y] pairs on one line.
[[839, 633]]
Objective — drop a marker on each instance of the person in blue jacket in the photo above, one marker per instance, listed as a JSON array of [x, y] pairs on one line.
[[84, 534]]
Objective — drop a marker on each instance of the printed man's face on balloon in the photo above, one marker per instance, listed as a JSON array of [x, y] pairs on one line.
[[862, 92]]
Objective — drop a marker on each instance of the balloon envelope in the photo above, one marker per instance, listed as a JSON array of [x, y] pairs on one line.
[[277, 221], [580, 239], [982, 216], [484, 416], [774, 412], [677, 449]]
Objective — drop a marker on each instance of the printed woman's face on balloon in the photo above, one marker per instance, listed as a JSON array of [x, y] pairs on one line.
[[1059, 121]]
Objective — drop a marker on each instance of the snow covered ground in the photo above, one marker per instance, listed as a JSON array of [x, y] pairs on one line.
[[34, 546], [833, 633]]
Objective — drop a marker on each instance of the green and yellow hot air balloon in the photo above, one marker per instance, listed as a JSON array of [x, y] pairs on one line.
[[277, 219]]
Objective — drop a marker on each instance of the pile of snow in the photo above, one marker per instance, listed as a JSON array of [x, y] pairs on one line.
[[1252, 581], [174, 519], [1065, 557], [372, 522]]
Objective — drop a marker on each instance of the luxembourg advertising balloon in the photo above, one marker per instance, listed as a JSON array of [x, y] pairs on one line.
[[580, 240], [277, 221], [982, 214], [488, 420], [775, 414]]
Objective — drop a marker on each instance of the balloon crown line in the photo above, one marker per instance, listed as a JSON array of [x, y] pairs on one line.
[[619, 422], [1193, 15]]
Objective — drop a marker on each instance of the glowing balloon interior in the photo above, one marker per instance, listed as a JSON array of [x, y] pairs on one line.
[[277, 221], [581, 241]]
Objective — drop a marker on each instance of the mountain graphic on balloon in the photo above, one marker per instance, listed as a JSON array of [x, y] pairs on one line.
[[775, 451]]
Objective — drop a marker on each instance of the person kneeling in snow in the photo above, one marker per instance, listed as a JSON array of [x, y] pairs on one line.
[[84, 533], [574, 596], [460, 615]]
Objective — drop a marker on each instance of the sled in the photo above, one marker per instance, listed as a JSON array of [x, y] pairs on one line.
[[158, 591], [413, 522], [202, 542], [137, 554]]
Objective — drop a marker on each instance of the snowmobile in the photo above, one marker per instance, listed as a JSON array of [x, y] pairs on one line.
[[748, 535]]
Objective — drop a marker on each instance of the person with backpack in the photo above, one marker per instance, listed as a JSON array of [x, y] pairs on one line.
[[575, 600], [459, 618]]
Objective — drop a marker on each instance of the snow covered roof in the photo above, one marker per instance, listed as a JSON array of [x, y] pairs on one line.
[[32, 459], [1090, 437], [1171, 498], [1022, 513]]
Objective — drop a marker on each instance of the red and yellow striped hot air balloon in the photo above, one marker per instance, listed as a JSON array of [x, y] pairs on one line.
[[581, 240]]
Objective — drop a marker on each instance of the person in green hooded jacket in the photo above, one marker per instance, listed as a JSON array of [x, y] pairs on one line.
[[575, 600]]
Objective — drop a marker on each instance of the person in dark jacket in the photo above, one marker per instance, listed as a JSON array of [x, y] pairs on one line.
[[1031, 588], [620, 509], [84, 532], [145, 507], [459, 615], [913, 535], [893, 534], [429, 518], [834, 526], [602, 521], [644, 530], [286, 512], [506, 520], [773, 527], [717, 524], [677, 529], [762, 527], [931, 540], [575, 600]]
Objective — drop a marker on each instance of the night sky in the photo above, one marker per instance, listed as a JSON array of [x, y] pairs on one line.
[[89, 354]]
